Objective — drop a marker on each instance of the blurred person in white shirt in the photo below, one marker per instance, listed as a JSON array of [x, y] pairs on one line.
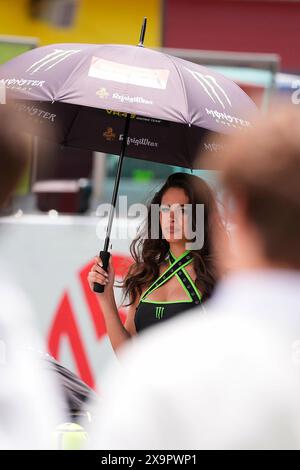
[[30, 399], [229, 378]]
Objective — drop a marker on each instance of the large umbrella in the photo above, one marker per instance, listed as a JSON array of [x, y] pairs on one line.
[[118, 98]]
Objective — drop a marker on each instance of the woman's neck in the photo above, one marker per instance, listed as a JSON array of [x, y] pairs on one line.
[[177, 249]]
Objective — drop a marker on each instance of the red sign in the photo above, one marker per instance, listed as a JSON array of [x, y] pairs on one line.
[[65, 324]]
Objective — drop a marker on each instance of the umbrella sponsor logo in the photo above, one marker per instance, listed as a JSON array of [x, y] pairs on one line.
[[51, 60], [118, 113], [227, 119], [129, 74], [131, 99], [102, 93], [145, 142], [212, 88], [22, 84], [218, 96], [149, 120], [33, 111], [109, 134], [214, 147]]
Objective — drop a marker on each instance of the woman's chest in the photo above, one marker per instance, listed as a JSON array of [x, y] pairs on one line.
[[173, 289]]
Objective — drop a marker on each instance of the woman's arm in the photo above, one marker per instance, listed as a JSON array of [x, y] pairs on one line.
[[118, 334]]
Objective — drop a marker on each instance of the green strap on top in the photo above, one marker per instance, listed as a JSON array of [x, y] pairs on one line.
[[187, 282], [177, 265]]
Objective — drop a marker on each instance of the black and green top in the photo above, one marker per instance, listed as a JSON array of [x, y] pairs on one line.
[[149, 312]]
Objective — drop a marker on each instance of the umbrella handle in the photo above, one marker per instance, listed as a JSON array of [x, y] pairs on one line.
[[104, 255]]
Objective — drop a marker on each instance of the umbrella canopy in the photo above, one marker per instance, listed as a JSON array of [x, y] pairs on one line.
[[117, 99], [82, 92]]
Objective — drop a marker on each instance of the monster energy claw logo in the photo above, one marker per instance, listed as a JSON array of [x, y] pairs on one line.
[[51, 60], [159, 311], [212, 88]]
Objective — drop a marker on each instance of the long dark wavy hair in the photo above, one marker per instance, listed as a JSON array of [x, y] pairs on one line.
[[148, 254]]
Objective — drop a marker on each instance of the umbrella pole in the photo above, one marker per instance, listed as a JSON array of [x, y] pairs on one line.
[[105, 254], [143, 31]]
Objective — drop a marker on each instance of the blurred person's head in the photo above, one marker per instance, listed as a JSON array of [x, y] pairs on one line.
[[260, 171], [13, 155], [150, 252]]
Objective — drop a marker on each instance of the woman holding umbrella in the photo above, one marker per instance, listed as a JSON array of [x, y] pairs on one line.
[[166, 278], [140, 103]]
